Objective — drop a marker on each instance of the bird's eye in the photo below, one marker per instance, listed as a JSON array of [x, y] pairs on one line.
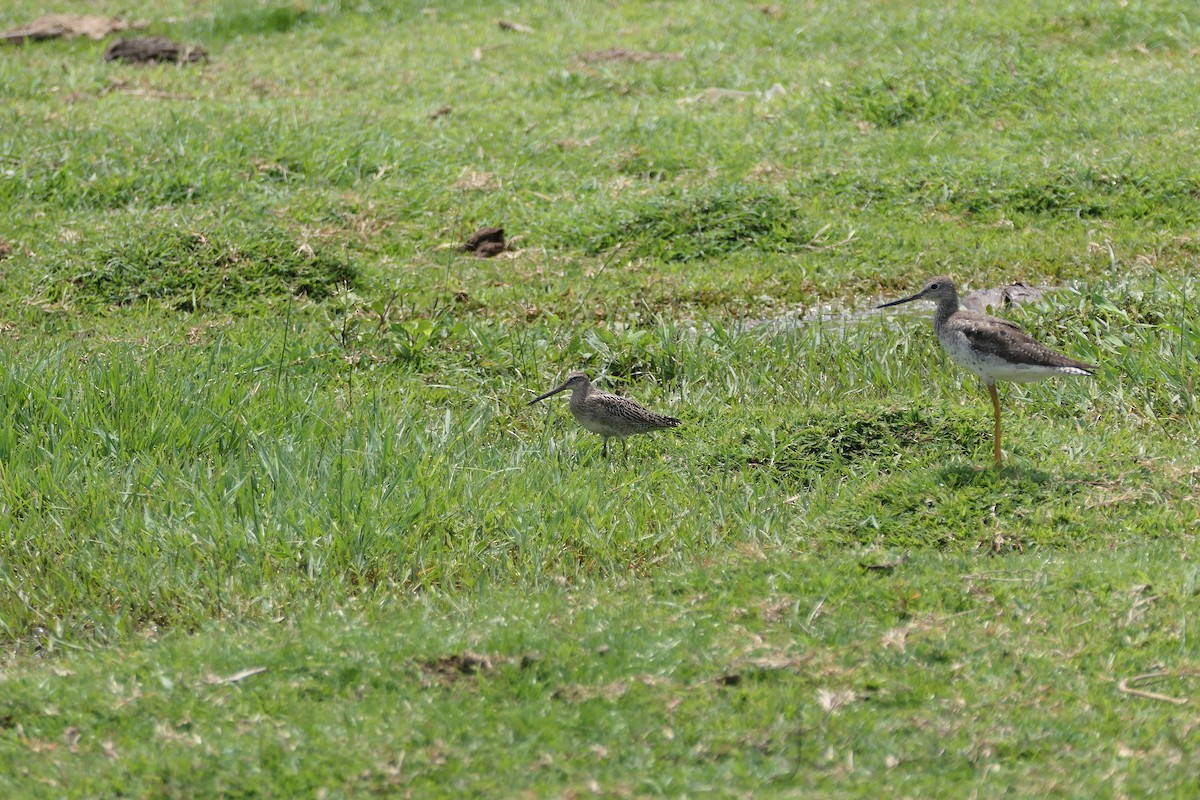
[[935, 286]]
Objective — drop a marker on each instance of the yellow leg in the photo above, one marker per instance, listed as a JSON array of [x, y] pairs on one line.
[[996, 408]]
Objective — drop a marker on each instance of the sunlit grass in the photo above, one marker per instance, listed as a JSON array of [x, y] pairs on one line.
[[278, 520]]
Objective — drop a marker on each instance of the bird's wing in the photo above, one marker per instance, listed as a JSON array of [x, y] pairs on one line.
[[1003, 339], [628, 410]]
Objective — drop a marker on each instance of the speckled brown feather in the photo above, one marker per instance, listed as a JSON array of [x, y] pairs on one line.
[[621, 412]]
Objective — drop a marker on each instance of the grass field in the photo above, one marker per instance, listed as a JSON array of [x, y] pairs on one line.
[[277, 521]]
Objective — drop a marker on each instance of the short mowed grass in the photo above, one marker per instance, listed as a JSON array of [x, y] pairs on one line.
[[278, 522]]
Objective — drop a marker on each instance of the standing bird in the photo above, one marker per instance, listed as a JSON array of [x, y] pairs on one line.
[[607, 414], [993, 349]]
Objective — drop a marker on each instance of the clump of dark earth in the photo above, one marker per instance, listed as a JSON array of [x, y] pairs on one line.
[[486, 242], [150, 49], [466, 664]]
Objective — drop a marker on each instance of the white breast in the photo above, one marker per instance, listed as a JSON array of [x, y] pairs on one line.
[[990, 368]]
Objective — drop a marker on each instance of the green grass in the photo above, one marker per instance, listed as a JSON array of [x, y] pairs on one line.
[[262, 414]]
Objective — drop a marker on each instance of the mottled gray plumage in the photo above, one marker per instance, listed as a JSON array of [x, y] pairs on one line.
[[991, 348], [607, 414]]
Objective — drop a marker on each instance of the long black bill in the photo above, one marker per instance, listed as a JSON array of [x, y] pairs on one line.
[[550, 393], [916, 296]]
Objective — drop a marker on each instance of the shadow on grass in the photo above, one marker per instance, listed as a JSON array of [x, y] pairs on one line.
[[824, 443], [960, 474], [964, 505]]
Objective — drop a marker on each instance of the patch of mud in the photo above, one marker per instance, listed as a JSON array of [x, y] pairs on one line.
[[835, 317], [1015, 294], [153, 49], [826, 314]]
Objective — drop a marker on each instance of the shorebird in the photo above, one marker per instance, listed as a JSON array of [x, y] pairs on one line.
[[607, 414], [993, 349]]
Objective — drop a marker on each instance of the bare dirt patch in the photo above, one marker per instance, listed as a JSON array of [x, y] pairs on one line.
[[580, 692], [475, 181], [620, 55], [458, 665], [55, 26]]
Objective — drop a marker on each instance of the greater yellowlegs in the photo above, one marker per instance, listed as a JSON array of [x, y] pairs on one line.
[[607, 414], [993, 349]]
